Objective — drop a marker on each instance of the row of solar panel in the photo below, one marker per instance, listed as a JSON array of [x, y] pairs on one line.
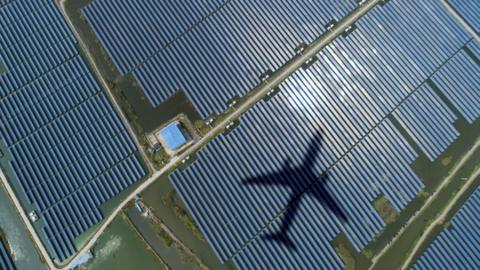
[[459, 80], [21, 30], [469, 10], [343, 94], [428, 121], [457, 247], [134, 31], [6, 262], [4, 2], [70, 217], [263, 253], [24, 73], [31, 107], [226, 54], [378, 164], [475, 49], [91, 149], [70, 150]]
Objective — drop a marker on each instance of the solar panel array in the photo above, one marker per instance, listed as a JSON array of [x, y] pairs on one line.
[[70, 150], [6, 262], [4, 2], [223, 55], [459, 80], [475, 49], [428, 121], [457, 247], [378, 164], [396, 48], [133, 31], [469, 10]]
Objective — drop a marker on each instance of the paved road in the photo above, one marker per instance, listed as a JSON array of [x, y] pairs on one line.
[[441, 218], [429, 201], [276, 79], [93, 64]]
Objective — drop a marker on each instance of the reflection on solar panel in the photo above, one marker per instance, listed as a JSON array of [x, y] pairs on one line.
[[457, 247], [469, 10], [70, 151], [378, 164], [6, 262], [222, 56], [428, 121], [459, 80], [348, 95]]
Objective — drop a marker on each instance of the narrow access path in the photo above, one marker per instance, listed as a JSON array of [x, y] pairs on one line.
[[441, 218], [429, 201]]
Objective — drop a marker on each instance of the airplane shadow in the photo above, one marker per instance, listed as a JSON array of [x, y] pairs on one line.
[[302, 181]]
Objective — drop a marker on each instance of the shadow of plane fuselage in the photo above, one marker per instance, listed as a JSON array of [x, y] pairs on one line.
[[289, 176]]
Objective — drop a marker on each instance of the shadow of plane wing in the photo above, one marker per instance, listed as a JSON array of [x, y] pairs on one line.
[[281, 235], [327, 200]]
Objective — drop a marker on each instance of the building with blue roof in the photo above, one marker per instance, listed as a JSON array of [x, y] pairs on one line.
[[174, 136]]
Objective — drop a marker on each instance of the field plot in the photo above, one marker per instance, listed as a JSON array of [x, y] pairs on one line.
[[120, 247], [224, 52], [456, 247], [347, 97], [69, 150], [469, 10]]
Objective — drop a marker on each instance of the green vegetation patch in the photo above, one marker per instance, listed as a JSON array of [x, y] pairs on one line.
[[171, 200], [385, 209], [162, 234], [346, 256]]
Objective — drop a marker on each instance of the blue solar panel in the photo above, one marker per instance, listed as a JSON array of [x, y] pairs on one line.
[[226, 54], [459, 80], [428, 121], [475, 48], [374, 166], [457, 247], [6, 262], [469, 10], [347, 95], [71, 152], [133, 31]]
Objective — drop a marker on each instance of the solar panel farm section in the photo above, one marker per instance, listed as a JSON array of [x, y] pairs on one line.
[[70, 151], [456, 247], [428, 121], [343, 95], [458, 80], [469, 10], [221, 55]]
